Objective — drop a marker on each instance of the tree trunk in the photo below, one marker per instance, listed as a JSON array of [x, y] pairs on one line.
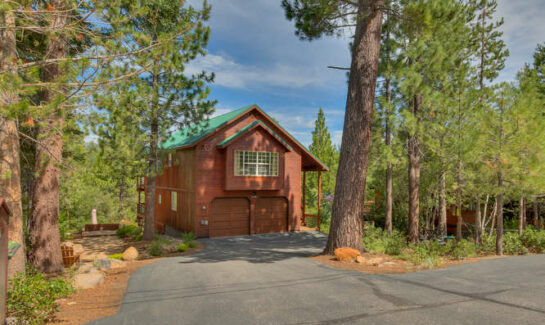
[[521, 215], [389, 184], [535, 214], [10, 170], [45, 254], [443, 205], [459, 219], [499, 222], [478, 230], [346, 221], [414, 177], [121, 196]]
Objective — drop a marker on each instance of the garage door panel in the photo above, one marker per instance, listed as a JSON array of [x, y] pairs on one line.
[[230, 217], [271, 215]]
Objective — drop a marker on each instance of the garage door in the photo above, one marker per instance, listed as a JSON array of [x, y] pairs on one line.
[[271, 215], [230, 217]]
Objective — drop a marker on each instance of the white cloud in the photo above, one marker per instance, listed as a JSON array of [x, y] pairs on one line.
[[231, 74]]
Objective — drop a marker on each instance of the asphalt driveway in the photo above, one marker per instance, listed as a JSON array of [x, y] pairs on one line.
[[265, 279]]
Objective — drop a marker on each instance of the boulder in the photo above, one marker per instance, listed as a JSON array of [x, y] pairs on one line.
[[103, 263], [346, 254], [375, 261], [101, 256], [130, 254], [88, 257], [88, 280], [86, 268], [360, 259]]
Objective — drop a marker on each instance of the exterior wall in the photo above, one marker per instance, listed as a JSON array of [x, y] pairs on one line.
[[179, 178], [212, 175]]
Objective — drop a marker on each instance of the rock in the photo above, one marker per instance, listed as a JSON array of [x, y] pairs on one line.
[[88, 257], [104, 263], [360, 259], [375, 261], [117, 264], [86, 268], [130, 254], [101, 256], [346, 254], [88, 280], [78, 249]]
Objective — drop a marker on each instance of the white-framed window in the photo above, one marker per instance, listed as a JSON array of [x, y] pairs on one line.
[[174, 201], [256, 163], [159, 199]]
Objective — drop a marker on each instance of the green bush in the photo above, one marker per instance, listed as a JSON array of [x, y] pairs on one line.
[[192, 244], [118, 256], [533, 239], [182, 247], [128, 231], [427, 252], [31, 297], [512, 244], [155, 249], [188, 237], [377, 240], [138, 237], [162, 240], [460, 249]]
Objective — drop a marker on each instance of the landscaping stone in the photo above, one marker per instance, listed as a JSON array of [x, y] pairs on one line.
[[375, 261], [101, 256], [130, 254], [88, 280], [117, 264], [360, 259], [346, 254], [103, 263], [86, 268]]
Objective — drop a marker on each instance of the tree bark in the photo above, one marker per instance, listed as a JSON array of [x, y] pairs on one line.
[[522, 215], [535, 214], [45, 254], [459, 219], [443, 204], [478, 230], [499, 221], [389, 184], [414, 177], [346, 222], [10, 169]]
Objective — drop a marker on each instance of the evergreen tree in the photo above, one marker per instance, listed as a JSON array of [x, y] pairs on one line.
[[314, 18], [326, 151]]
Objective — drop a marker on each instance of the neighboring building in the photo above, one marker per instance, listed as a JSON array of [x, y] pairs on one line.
[[237, 174]]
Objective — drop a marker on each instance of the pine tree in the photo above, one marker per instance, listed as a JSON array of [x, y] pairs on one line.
[[326, 151], [163, 95], [314, 18]]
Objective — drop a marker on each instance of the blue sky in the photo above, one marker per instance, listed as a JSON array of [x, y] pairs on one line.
[[258, 59]]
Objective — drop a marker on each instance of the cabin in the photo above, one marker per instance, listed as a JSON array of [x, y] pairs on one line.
[[239, 173]]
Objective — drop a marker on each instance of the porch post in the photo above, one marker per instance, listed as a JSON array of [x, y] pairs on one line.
[[319, 198], [304, 190]]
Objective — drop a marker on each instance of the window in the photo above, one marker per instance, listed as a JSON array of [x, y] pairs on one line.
[[174, 201], [159, 199], [142, 197], [256, 163], [169, 160]]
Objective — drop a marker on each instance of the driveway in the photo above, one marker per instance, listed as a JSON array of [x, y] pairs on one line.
[[266, 279]]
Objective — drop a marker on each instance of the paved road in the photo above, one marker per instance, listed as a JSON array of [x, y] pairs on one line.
[[265, 279]]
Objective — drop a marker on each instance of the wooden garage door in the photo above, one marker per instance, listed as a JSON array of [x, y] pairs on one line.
[[271, 215], [230, 217]]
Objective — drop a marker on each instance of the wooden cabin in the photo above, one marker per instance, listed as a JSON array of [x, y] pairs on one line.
[[237, 174]]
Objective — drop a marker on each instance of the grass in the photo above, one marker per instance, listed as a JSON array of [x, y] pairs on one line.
[[118, 256]]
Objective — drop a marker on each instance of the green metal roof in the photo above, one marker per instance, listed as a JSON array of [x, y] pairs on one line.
[[248, 127], [191, 135]]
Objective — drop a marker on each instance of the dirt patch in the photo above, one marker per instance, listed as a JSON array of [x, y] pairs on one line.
[[390, 265]]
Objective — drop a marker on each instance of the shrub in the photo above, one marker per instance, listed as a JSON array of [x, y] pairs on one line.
[[31, 297], [182, 247], [378, 241], [155, 249], [427, 252], [138, 237], [128, 231], [162, 240], [118, 256], [188, 237], [533, 239], [512, 244], [191, 244], [460, 249]]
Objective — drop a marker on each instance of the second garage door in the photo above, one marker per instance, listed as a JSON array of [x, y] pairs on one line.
[[271, 215], [230, 217]]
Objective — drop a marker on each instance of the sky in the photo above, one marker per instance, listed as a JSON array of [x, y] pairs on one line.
[[258, 59]]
